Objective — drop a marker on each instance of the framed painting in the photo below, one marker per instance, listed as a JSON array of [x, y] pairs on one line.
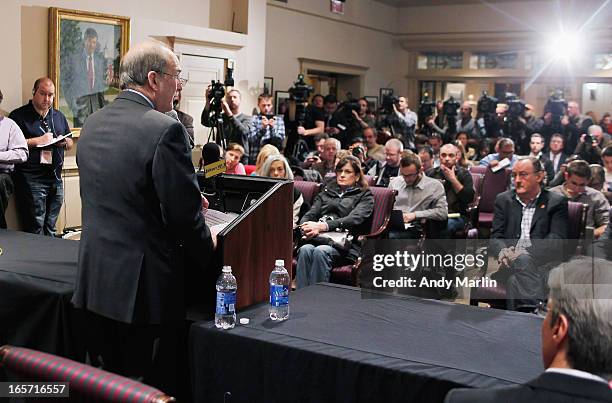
[[85, 51], [280, 101], [372, 103], [268, 86]]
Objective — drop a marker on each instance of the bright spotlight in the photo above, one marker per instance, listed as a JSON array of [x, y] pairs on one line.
[[565, 45]]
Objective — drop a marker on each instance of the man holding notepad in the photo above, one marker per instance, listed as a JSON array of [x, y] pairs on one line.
[[38, 182]]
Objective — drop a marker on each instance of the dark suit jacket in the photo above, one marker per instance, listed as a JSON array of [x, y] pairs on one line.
[[548, 387], [549, 222], [141, 210]]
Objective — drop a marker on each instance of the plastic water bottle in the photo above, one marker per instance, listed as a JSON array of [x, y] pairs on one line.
[[279, 291], [225, 313]]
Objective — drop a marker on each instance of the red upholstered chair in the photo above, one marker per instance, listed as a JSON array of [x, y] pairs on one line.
[[576, 231], [470, 230], [87, 383], [371, 180], [309, 190], [478, 169], [384, 199], [493, 184], [249, 169]]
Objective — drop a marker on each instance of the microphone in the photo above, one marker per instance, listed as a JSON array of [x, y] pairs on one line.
[[211, 153]]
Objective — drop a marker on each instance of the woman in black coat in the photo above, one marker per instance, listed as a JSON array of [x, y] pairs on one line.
[[344, 204]]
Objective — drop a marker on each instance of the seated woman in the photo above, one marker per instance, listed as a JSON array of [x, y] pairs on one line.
[[276, 166], [232, 159], [264, 153], [344, 204]]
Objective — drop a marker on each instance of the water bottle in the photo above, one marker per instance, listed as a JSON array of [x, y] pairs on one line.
[[279, 291], [225, 313]]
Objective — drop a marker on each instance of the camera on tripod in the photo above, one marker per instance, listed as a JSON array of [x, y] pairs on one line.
[[487, 105], [450, 107], [216, 94], [300, 90], [427, 108], [556, 105], [516, 106], [387, 103]]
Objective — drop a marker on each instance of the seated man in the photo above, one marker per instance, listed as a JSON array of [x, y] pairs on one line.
[[577, 175], [576, 342], [389, 168], [527, 213], [503, 149], [458, 186], [536, 145], [419, 197], [328, 157]]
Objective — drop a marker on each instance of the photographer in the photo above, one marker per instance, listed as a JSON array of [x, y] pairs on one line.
[[363, 117], [236, 125], [574, 125], [590, 145], [265, 127], [465, 124]]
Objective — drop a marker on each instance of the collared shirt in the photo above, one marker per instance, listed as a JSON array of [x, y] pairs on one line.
[[577, 373], [526, 220], [13, 145], [426, 199], [33, 125], [258, 135], [555, 158], [409, 117], [598, 212], [142, 95]]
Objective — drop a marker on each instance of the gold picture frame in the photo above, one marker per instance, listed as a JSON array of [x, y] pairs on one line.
[[85, 51]]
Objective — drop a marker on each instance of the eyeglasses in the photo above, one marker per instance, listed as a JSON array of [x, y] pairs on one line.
[[181, 80]]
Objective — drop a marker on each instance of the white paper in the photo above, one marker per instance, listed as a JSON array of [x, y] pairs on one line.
[[55, 140]]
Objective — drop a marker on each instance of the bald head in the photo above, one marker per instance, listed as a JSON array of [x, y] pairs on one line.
[[43, 94], [448, 155]]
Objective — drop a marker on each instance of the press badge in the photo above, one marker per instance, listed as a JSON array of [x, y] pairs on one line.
[[46, 156]]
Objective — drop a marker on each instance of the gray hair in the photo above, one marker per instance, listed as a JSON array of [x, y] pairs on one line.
[[595, 129], [335, 141], [265, 169], [581, 290], [395, 143], [140, 60]]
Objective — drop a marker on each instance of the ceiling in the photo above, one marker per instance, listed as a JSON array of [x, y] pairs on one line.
[[415, 3]]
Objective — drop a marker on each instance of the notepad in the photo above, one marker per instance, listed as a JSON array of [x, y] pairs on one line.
[[55, 140]]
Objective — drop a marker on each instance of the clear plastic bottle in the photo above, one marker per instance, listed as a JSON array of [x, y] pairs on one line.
[[279, 291], [225, 313]]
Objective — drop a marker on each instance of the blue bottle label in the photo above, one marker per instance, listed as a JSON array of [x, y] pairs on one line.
[[226, 303], [279, 295]]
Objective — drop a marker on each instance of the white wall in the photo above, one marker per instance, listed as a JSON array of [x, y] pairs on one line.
[[307, 29]]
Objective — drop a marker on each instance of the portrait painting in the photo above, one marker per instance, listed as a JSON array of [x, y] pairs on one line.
[[85, 51]]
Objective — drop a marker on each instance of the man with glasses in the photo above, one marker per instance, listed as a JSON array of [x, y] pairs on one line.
[[418, 197], [389, 168], [577, 175], [142, 222], [529, 226], [504, 149]]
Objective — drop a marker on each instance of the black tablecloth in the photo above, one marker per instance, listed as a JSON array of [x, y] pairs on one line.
[[37, 278], [346, 345]]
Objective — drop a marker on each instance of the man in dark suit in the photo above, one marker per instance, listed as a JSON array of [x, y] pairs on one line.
[[529, 226], [85, 79], [555, 153], [141, 220], [576, 342]]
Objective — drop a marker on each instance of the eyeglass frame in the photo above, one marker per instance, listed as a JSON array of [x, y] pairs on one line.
[[181, 80]]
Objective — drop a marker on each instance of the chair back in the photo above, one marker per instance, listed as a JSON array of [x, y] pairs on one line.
[[86, 382], [477, 181], [493, 184], [577, 213], [371, 180], [384, 199], [478, 169], [309, 190]]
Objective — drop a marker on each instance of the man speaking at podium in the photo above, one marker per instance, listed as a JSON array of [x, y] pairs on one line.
[[141, 220]]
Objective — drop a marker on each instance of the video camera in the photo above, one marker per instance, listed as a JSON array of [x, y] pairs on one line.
[[556, 104], [426, 108], [387, 103], [487, 105], [217, 90], [450, 107], [516, 106], [300, 92]]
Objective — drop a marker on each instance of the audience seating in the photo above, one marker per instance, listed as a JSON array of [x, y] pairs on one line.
[[87, 384], [309, 190], [384, 199], [495, 296], [493, 184], [471, 226]]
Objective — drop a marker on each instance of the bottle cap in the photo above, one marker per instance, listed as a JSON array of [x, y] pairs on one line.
[[227, 269], [244, 321], [279, 262]]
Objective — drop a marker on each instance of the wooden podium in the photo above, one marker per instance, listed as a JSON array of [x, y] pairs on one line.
[[251, 243]]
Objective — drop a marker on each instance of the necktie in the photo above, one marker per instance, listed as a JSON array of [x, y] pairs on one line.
[[90, 72]]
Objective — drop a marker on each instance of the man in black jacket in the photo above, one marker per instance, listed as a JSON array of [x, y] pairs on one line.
[[576, 342], [529, 226], [141, 219]]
